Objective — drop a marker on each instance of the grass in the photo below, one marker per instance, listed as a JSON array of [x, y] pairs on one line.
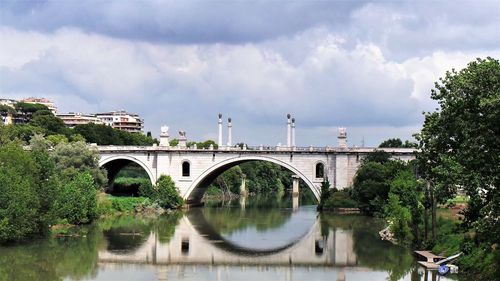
[[108, 204], [459, 199]]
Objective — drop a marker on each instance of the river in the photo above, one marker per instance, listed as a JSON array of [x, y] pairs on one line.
[[263, 238]]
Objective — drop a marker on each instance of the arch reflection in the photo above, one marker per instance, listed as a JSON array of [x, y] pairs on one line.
[[198, 240]]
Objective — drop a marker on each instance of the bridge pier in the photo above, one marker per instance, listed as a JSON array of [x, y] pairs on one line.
[[295, 185], [243, 186], [295, 192]]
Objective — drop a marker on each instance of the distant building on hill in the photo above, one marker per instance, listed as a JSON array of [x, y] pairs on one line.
[[122, 120], [8, 102], [72, 119], [49, 104]]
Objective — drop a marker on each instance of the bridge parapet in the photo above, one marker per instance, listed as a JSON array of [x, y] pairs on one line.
[[253, 149]]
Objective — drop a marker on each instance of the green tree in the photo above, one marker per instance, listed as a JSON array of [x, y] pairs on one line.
[[397, 142], [77, 200], [56, 139], [167, 195], [77, 157], [19, 203], [51, 124], [325, 193], [409, 196], [22, 133], [371, 184], [106, 135], [460, 144]]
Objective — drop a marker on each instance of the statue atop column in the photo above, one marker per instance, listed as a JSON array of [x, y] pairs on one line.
[[164, 137]]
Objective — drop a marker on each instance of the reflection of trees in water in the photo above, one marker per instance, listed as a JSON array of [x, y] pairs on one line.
[[370, 250], [165, 226], [278, 200], [52, 259], [229, 220], [126, 234]]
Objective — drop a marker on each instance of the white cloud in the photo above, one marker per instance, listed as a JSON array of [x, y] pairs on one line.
[[314, 74]]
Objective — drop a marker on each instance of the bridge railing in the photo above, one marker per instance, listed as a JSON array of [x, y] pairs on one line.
[[261, 148]]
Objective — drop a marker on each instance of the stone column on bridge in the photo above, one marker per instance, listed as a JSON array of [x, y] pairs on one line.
[[219, 141], [293, 132], [288, 131], [229, 132], [342, 137]]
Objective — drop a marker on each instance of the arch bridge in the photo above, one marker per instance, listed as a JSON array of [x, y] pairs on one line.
[[193, 169]]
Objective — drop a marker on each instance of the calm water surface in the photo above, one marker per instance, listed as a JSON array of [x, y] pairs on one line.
[[260, 239]]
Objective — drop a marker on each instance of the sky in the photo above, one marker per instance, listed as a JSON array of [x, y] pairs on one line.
[[367, 66]]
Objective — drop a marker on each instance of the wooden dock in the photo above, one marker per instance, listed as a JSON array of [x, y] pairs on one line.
[[430, 259]]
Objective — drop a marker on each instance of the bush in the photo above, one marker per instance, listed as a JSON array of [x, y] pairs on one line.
[[339, 199], [104, 205], [399, 218], [19, 205], [166, 194], [77, 200]]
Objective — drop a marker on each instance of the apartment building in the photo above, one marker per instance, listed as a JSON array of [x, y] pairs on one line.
[[49, 104], [122, 120], [72, 119]]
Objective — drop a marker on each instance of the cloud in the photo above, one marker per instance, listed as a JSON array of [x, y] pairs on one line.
[[324, 85], [400, 29], [177, 21], [365, 65]]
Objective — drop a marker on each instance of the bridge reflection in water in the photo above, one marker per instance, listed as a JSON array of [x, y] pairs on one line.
[[197, 242]]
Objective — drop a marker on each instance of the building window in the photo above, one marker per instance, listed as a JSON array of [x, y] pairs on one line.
[[185, 169], [320, 170]]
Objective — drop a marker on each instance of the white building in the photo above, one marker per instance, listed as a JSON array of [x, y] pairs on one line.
[[122, 120], [6, 117], [8, 102], [72, 119]]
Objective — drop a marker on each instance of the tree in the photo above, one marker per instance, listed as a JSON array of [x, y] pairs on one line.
[[371, 184], [51, 124], [77, 199], [408, 194], [19, 204], [22, 133], [460, 144], [325, 193], [396, 142], [73, 158], [167, 195], [106, 135]]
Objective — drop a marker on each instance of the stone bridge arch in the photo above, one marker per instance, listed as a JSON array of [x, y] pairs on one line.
[[113, 164], [199, 185]]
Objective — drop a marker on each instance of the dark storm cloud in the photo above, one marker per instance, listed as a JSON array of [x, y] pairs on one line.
[[179, 21]]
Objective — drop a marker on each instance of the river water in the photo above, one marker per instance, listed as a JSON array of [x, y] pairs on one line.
[[260, 239]]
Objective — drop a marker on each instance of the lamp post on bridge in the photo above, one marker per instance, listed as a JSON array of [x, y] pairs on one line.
[[219, 141]]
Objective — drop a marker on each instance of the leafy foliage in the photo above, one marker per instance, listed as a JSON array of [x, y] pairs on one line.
[[77, 202], [19, 203], [105, 135], [398, 143], [460, 147], [372, 183], [43, 186], [166, 194], [73, 158]]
